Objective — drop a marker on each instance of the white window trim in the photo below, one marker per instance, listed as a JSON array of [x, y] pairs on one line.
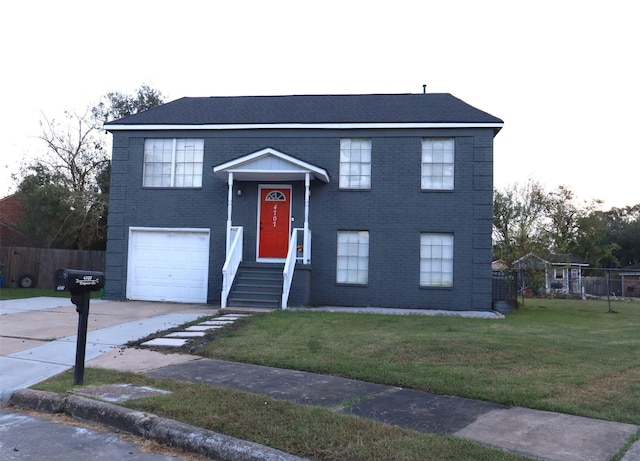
[[446, 276], [348, 164], [443, 164], [174, 150], [351, 258]]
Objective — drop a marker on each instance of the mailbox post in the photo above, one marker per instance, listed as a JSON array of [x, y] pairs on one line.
[[80, 284]]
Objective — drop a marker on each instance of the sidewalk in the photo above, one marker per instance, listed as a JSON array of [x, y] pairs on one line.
[[38, 335], [538, 434]]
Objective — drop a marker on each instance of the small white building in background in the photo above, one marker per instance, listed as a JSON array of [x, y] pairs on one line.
[[563, 272]]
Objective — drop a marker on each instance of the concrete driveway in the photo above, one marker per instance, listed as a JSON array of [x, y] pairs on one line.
[[38, 335]]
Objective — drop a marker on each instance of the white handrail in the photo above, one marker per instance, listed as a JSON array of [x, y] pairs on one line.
[[292, 258], [289, 266], [233, 260]]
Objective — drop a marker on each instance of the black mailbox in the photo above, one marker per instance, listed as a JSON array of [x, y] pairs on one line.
[[77, 281], [80, 284]]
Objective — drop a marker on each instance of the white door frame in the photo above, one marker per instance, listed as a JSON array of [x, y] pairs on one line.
[[271, 186]]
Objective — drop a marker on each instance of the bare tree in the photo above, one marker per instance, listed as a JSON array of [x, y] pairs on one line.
[[66, 188], [75, 149]]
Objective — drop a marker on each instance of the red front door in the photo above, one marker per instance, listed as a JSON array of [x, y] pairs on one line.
[[274, 222]]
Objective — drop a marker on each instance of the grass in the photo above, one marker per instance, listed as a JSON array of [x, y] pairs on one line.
[[23, 293], [310, 432], [558, 355]]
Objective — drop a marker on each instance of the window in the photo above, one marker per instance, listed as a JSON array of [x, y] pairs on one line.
[[353, 257], [436, 260], [173, 162], [438, 163], [355, 163]]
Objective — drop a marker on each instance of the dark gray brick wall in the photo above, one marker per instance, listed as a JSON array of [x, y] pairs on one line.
[[395, 211]]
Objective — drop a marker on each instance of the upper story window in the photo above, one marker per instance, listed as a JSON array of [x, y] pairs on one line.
[[353, 257], [173, 162], [355, 163], [438, 163], [436, 260]]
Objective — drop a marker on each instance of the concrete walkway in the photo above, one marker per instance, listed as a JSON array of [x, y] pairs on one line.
[[37, 343], [38, 335]]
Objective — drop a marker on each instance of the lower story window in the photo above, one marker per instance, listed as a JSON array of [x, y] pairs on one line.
[[353, 257], [436, 260]]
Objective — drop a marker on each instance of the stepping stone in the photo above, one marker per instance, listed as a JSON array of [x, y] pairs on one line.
[[186, 334], [218, 323], [234, 316], [199, 328], [176, 342]]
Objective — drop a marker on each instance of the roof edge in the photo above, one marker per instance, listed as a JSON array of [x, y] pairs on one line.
[[327, 126]]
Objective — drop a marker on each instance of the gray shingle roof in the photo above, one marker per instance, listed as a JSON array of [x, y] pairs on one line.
[[564, 258], [632, 268], [312, 109]]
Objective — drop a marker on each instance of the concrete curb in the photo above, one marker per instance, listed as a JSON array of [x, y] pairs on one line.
[[147, 425]]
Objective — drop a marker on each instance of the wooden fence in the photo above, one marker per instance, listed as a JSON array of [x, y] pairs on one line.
[[41, 263]]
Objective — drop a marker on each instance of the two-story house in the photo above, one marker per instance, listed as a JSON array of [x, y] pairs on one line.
[[358, 200]]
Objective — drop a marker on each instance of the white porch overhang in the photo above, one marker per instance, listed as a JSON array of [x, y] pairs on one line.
[[269, 165]]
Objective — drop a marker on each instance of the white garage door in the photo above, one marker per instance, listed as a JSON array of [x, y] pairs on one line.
[[168, 265]]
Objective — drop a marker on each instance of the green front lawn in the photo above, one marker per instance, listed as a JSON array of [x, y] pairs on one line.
[[558, 355]]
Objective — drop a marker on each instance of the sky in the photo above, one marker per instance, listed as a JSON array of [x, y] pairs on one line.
[[563, 75]]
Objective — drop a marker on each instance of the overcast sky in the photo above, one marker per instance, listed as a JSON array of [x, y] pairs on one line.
[[563, 75]]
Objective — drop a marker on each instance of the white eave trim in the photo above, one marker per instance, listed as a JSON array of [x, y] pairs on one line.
[[300, 167], [570, 264], [324, 126]]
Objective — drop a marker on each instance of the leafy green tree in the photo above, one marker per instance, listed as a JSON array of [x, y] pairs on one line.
[[563, 220], [591, 241], [624, 232], [115, 105], [519, 214], [47, 205], [577, 229], [528, 219]]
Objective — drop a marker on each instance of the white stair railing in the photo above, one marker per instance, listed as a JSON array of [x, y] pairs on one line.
[[231, 264], [295, 253], [289, 267]]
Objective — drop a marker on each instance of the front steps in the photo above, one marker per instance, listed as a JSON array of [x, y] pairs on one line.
[[257, 286]]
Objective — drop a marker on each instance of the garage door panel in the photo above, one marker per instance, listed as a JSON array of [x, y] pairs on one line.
[[168, 265]]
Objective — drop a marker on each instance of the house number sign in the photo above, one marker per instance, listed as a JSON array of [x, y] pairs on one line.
[[275, 196]]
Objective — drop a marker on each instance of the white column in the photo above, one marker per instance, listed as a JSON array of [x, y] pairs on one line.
[[229, 210]]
